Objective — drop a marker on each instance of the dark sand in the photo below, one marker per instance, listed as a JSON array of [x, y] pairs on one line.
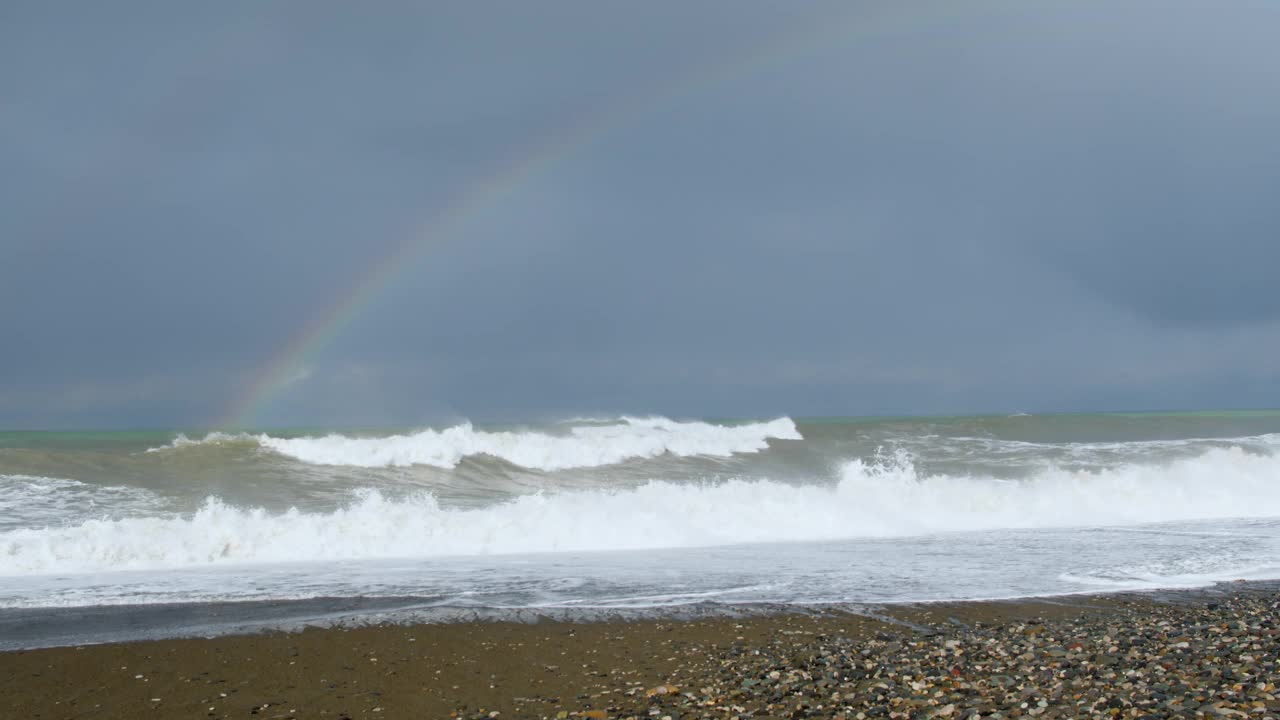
[[1204, 654]]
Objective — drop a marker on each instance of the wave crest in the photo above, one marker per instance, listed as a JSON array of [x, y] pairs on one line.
[[583, 446]]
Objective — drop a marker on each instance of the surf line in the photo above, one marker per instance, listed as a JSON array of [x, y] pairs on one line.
[[283, 366]]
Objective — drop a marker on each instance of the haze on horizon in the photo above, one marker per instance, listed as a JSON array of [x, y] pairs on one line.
[[830, 208]]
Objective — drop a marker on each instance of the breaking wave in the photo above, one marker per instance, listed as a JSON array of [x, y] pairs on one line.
[[582, 447], [867, 499]]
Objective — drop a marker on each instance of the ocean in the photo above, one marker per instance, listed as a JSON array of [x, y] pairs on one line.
[[124, 535]]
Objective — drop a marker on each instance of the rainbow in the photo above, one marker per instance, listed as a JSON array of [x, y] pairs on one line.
[[282, 367]]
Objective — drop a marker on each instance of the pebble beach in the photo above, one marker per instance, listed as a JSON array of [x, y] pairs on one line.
[[1207, 653]]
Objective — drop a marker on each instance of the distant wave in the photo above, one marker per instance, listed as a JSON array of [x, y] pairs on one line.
[[583, 446], [213, 438], [889, 498]]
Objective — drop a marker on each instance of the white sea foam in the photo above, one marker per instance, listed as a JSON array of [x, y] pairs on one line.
[[869, 500], [34, 501], [583, 446], [1144, 578]]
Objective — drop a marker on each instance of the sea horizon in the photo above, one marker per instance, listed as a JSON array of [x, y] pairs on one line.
[[518, 420]]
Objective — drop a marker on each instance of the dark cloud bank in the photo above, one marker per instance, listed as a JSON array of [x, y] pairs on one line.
[[839, 208]]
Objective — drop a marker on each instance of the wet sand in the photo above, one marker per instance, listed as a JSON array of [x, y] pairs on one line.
[[1200, 654]]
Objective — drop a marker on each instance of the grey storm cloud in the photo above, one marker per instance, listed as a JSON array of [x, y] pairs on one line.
[[708, 209]]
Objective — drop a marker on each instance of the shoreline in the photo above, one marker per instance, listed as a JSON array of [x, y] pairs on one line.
[[1203, 646], [57, 627]]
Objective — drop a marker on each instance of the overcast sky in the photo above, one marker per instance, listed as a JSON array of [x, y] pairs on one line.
[[755, 208]]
